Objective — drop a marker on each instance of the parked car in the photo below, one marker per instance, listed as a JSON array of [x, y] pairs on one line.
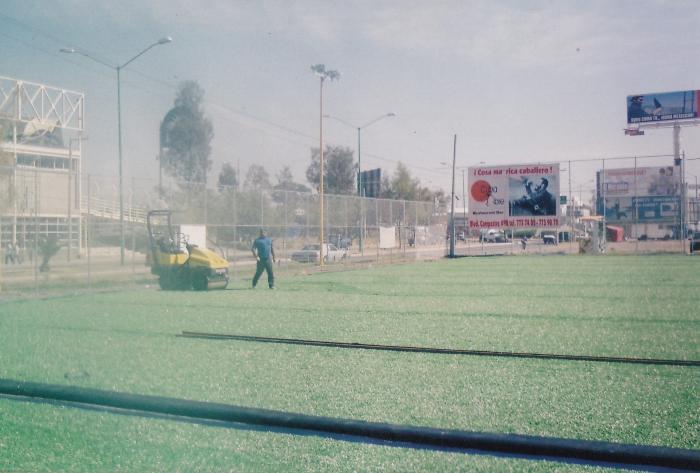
[[310, 253], [549, 238], [493, 236]]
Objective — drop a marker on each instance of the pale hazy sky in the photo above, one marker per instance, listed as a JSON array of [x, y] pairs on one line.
[[517, 81]]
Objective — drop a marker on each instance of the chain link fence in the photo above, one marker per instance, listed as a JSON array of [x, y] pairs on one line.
[[62, 231]]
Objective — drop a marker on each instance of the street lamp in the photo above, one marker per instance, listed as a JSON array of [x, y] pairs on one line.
[[359, 142], [359, 156], [323, 74], [118, 68]]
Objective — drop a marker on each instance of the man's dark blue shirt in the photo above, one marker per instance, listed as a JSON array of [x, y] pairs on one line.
[[263, 245]]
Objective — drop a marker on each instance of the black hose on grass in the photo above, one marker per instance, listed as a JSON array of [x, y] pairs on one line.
[[439, 351], [555, 448]]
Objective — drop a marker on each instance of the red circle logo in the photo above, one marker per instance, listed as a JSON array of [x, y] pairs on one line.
[[481, 191]]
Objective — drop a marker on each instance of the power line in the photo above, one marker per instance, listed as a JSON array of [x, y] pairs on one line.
[[171, 86], [233, 110]]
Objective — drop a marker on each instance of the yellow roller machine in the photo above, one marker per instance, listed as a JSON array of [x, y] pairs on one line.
[[179, 264]]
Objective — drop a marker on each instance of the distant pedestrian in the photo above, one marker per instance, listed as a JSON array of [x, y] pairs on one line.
[[265, 256], [9, 253], [18, 253]]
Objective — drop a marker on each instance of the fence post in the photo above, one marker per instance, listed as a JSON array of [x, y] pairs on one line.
[[286, 210], [605, 231], [571, 215], [206, 206], [415, 228], [88, 242], [363, 223], [636, 210], [306, 202], [36, 228], [683, 233], [345, 228], [403, 227], [133, 248], [377, 225], [391, 212], [235, 220], [70, 216]]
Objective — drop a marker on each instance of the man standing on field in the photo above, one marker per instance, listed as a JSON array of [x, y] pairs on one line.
[[265, 256]]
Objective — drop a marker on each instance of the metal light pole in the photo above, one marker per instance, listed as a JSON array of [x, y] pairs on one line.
[[359, 142], [118, 68], [323, 74], [359, 158]]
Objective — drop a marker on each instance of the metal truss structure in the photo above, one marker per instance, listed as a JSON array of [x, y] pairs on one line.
[[33, 119]]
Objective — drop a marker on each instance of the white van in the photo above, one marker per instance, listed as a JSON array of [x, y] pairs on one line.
[[493, 236]]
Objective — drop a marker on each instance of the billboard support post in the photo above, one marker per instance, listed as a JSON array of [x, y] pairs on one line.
[[676, 143]]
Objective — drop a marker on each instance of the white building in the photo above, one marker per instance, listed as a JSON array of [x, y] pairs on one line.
[[40, 163]]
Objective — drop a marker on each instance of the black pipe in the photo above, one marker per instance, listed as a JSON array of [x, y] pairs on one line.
[[440, 351], [565, 449]]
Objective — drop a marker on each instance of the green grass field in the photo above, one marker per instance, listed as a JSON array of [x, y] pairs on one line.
[[126, 341]]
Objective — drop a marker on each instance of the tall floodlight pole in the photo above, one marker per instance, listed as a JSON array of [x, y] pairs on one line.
[[359, 158], [323, 74], [118, 68]]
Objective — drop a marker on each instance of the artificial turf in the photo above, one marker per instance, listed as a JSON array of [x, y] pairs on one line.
[[641, 306]]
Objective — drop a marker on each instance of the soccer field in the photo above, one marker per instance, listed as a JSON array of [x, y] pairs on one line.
[[128, 341]]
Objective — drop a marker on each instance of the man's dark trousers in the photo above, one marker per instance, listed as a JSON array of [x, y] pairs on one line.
[[264, 264]]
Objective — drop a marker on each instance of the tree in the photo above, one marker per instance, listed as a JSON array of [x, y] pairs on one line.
[[285, 182], [401, 185], [339, 167], [286, 185], [185, 136], [228, 178], [284, 177], [257, 178]]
